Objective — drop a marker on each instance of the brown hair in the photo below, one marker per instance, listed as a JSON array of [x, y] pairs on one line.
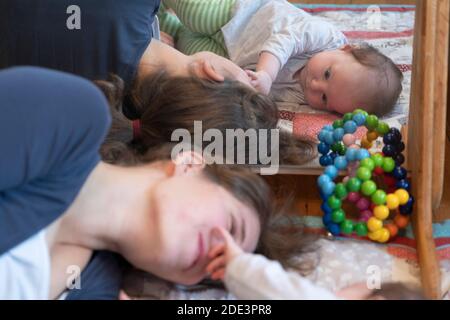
[[388, 75], [166, 103]]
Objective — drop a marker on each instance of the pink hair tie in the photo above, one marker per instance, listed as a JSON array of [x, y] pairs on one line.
[[136, 129]]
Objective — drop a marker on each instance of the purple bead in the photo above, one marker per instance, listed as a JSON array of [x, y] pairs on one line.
[[353, 197], [366, 215], [399, 159], [389, 150], [363, 204]]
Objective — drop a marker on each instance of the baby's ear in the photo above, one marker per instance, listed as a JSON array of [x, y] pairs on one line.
[[347, 48]]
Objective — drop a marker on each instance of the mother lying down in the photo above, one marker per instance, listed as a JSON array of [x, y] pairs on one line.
[[61, 205]]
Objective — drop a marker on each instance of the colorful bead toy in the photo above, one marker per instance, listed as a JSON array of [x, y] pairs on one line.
[[382, 213]]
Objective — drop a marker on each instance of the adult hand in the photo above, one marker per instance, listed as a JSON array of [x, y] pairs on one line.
[[222, 254]]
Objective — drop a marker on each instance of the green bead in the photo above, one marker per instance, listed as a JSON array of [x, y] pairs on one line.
[[382, 128], [368, 188], [347, 227], [388, 165], [336, 147], [338, 124], [353, 185], [343, 150], [364, 174], [367, 163], [372, 122], [338, 216], [361, 229], [334, 203], [364, 112], [379, 197], [347, 117], [340, 191], [377, 159]]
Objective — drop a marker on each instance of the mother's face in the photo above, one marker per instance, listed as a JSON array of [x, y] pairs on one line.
[[186, 207]]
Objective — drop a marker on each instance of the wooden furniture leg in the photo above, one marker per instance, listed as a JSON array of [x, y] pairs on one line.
[[425, 110]]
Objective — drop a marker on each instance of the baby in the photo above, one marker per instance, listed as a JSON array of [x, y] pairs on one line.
[[254, 277], [288, 53]]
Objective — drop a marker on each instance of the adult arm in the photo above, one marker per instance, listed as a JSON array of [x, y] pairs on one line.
[[51, 127]]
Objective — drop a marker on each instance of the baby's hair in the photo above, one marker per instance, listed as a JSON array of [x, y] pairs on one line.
[[384, 99]]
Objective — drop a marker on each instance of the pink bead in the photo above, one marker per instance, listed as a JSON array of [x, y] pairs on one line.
[[363, 204], [353, 197], [345, 180], [355, 146], [349, 139], [366, 215]]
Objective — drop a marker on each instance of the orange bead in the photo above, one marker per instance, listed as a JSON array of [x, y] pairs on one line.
[[393, 229], [401, 221], [372, 136], [365, 143]]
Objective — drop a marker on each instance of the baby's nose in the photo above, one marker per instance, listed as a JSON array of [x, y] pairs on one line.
[[315, 85]]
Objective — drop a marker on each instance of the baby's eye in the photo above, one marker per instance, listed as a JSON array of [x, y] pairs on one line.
[[327, 74]]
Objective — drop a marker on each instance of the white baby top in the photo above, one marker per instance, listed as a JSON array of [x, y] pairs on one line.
[[289, 33], [254, 277]]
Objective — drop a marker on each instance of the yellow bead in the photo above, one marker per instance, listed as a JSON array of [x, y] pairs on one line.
[[365, 143], [403, 196], [384, 235], [374, 236], [381, 212], [392, 201], [372, 136], [374, 224]]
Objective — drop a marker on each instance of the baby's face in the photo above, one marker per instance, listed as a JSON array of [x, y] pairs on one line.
[[335, 81]]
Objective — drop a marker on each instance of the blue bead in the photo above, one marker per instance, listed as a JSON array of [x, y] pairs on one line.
[[321, 136], [399, 173], [351, 154], [334, 155], [326, 208], [334, 229], [329, 138], [390, 151], [326, 219], [399, 159], [406, 210], [338, 134], [340, 163], [360, 119], [389, 138], [328, 188], [350, 126], [332, 172], [328, 128], [400, 147], [362, 154], [323, 197], [403, 184], [323, 148], [325, 161], [322, 180]]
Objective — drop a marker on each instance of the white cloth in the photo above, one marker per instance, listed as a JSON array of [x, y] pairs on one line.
[[289, 33], [254, 277], [25, 270]]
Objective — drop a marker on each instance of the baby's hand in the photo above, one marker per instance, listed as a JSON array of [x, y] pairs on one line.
[[222, 254], [260, 80]]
